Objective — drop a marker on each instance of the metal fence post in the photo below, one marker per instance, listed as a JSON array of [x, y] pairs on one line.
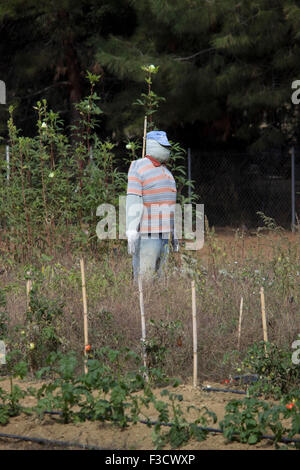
[[293, 187]]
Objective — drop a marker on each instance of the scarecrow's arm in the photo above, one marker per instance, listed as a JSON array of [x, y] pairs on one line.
[[134, 207]]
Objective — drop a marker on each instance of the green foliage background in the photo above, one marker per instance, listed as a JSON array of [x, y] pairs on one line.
[[226, 66]]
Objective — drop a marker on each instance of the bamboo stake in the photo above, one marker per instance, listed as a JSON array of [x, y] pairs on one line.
[[28, 289], [263, 314], [195, 374], [240, 322], [143, 323], [85, 320], [144, 138]]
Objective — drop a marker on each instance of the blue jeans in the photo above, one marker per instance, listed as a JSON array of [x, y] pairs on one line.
[[150, 256]]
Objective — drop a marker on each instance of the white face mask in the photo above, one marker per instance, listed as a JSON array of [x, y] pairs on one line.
[[157, 151]]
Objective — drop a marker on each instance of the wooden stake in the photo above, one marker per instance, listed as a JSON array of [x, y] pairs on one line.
[[195, 349], [240, 322], [85, 320], [28, 289], [263, 314], [144, 138], [143, 323]]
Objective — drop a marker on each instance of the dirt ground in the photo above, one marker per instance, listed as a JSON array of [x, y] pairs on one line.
[[106, 436]]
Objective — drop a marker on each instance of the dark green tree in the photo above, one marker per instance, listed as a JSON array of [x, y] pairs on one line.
[[226, 66], [46, 47]]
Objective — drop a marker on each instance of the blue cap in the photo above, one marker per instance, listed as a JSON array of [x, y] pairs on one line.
[[159, 136]]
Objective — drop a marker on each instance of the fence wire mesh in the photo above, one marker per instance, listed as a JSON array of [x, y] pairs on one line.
[[234, 187]]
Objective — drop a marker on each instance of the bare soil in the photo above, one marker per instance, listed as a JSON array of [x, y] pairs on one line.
[[107, 436]]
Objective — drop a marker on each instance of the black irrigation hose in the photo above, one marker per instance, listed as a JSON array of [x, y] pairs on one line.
[[211, 389], [246, 379], [215, 430], [285, 440], [41, 440]]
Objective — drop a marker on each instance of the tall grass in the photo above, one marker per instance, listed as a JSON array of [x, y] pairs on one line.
[[266, 259]]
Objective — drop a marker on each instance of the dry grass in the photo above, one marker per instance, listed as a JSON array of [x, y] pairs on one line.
[[231, 265]]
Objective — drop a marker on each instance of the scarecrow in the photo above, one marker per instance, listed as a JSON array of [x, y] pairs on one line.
[[150, 208]]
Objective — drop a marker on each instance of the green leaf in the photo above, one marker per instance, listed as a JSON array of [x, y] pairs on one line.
[[253, 439]]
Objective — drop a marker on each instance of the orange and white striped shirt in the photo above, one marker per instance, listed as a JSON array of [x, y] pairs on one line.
[[155, 183]]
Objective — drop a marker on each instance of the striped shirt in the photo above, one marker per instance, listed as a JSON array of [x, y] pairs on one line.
[[157, 187]]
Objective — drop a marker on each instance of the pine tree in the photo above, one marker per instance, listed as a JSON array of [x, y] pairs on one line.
[[225, 66], [45, 50], [259, 44]]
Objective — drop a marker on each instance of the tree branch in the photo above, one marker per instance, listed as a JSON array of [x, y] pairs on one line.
[[196, 54]]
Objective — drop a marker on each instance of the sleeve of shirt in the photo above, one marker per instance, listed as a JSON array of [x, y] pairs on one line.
[[135, 183]]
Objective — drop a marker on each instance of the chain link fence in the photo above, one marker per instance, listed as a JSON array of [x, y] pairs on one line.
[[235, 186]]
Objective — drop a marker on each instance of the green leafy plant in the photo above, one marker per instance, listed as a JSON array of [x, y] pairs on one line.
[[250, 419], [3, 315], [57, 182], [276, 373], [178, 167], [180, 429], [63, 392], [150, 100], [241, 419], [10, 401], [98, 395], [40, 333]]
